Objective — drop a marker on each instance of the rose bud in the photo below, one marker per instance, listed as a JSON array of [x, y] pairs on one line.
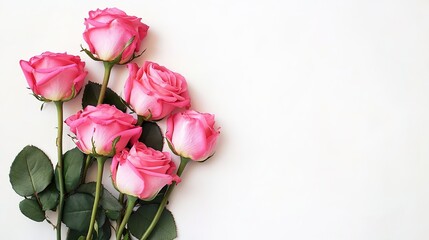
[[108, 32], [97, 129], [142, 171], [192, 135], [153, 91], [54, 76]]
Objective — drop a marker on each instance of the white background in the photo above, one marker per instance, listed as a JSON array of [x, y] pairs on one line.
[[323, 108]]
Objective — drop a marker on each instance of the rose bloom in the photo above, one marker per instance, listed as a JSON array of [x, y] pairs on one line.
[[154, 91], [54, 76], [142, 171], [108, 31], [99, 126], [192, 134]]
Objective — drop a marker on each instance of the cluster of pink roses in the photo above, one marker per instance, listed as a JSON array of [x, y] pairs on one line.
[[151, 91]]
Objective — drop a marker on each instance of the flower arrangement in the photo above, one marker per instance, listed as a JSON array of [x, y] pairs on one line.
[[111, 129]]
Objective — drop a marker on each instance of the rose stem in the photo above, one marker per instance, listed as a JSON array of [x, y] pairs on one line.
[[121, 201], [88, 162], [59, 106], [131, 201], [183, 162], [140, 120], [107, 70], [100, 165]]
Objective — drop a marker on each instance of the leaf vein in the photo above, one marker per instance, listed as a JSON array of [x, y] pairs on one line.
[[29, 173]]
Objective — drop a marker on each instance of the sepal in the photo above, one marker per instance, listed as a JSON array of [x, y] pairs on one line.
[[89, 54], [170, 145]]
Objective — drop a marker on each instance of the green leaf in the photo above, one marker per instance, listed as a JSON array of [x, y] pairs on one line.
[[31, 171], [113, 215], [141, 219], [73, 167], [100, 219], [92, 92], [49, 197], [75, 235], [127, 236], [152, 136], [77, 211], [88, 188], [31, 209], [107, 200], [104, 233]]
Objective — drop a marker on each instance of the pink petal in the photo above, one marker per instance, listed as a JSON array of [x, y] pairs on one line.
[[128, 180]]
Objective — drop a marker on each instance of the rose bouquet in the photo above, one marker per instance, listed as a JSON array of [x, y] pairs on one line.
[[120, 131]]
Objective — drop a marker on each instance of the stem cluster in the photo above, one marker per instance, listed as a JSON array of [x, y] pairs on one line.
[[131, 200]]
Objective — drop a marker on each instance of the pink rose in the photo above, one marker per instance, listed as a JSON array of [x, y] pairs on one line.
[[142, 171], [109, 30], [54, 76], [99, 126], [192, 134], [153, 91]]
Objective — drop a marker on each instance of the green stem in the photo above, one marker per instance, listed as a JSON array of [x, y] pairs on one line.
[[59, 106], [140, 120], [121, 201], [183, 162], [107, 70], [100, 165], [131, 201], [88, 162]]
